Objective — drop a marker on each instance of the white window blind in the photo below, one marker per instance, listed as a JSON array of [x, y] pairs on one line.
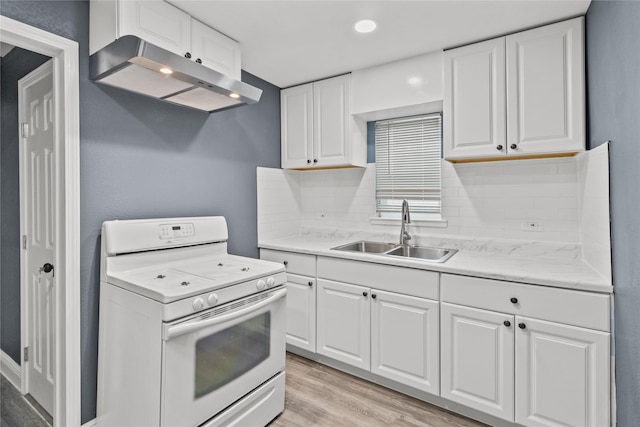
[[408, 163]]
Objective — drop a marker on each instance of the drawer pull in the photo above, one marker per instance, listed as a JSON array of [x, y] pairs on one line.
[[507, 323], [374, 296], [310, 284], [514, 300], [285, 263], [364, 294], [522, 326]]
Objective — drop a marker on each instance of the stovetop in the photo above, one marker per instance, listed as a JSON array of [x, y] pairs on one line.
[[178, 279]]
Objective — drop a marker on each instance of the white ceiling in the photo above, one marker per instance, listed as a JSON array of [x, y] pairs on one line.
[[291, 42]]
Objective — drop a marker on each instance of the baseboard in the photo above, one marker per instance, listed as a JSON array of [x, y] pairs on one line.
[[11, 370], [91, 423]]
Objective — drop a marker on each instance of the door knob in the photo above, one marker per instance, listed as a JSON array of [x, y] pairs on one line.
[[47, 267]]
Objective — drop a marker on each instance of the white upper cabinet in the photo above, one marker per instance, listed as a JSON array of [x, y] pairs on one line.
[[215, 50], [165, 26], [519, 95], [157, 22], [318, 130], [545, 89], [331, 121], [474, 108], [296, 122]]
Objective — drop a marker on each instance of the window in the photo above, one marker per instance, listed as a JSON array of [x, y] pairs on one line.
[[408, 152]]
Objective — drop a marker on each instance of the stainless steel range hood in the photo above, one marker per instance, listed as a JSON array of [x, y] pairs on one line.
[[133, 64]]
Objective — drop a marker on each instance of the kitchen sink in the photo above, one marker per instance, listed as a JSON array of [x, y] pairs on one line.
[[366, 247], [423, 253]]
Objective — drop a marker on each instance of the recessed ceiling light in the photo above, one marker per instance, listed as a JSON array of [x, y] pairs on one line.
[[365, 26], [165, 70], [234, 95]]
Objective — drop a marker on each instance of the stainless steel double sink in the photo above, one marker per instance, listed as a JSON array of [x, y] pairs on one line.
[[424, 253]]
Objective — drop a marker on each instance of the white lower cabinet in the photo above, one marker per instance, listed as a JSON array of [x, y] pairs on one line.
[[405, 331], [301, 312], [477, 359], [562, 375], [531, 355], [301, 296], [533, 372], [343, 323], [393, 335]]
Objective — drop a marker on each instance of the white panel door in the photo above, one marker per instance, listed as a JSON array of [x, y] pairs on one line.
[[545, 89], [343, 323], [158, 23], [215, 50], [38, 182], [477, 364], [296, 116], [332, 130], [562, 375], [474, 101], [301, 312], [405, 340]]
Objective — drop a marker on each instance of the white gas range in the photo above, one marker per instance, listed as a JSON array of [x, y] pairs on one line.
[[189, 335]]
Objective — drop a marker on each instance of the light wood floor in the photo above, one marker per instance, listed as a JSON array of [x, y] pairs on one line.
[[317, 395]]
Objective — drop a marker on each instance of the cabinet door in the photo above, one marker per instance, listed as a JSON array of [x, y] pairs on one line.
[[343, 323], [331, 132], [296, 118], [545, 89], [562, 375], [477, 359], [405, 335], [158, 23], [215, 50], [474, 101], [301, 312]]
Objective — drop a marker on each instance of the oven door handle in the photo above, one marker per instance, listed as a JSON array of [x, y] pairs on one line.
[[196, 324]]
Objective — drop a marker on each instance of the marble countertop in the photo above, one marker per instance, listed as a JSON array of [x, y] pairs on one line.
[[516, 264]]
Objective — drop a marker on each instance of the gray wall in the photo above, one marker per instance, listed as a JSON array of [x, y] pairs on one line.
[[142, 158], [613, 87], [17, 64]]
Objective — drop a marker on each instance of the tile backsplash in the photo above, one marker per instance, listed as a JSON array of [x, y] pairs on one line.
[[488, 200]]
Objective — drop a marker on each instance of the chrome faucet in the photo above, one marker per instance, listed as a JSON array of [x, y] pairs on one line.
[[406, 219]]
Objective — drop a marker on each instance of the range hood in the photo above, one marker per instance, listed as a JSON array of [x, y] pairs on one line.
[[133, 64]]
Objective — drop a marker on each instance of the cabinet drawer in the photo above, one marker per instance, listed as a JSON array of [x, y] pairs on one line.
[[409, 281], [303, 264], [585, 309]]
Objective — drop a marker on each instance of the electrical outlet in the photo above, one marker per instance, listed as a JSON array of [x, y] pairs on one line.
[[532, 226]]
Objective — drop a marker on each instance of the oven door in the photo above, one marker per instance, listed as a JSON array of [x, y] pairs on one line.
[[212, 359]]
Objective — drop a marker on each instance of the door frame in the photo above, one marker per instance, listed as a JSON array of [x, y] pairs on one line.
[[64, 53]]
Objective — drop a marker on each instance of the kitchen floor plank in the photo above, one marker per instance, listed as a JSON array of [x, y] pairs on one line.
[[319, 396]]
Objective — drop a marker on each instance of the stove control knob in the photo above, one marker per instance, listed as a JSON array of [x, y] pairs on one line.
[[271, 281], [212, 299], [261, 285], [198, 303]]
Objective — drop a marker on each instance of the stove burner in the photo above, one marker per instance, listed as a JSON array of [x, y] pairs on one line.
[[220, 264], [160, 276], [185, 283], [245, 268]]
